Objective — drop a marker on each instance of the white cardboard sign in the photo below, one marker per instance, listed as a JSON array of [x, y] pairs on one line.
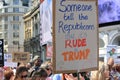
[[75, 35]]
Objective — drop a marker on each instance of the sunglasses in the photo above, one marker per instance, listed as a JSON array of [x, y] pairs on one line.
[[47, 68], [23, 76]]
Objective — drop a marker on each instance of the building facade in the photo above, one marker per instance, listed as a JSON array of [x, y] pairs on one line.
[[11, 24], [32, 30], [109, 35]]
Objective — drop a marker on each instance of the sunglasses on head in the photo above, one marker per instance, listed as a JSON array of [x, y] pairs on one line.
[[23, 76]]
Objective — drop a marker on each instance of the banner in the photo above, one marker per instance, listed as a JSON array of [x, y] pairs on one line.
[[49, 50], [7, 57], [8, 61], [45, 21], [75, 35], [1, 53]]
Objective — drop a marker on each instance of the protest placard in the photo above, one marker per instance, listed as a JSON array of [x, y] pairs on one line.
[[23, 57], [75, 35]]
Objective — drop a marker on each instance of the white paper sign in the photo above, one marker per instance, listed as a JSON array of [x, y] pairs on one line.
[[75, 35]]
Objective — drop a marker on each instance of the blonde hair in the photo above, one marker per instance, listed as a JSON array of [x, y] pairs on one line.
[[47, 64], [98, 74]]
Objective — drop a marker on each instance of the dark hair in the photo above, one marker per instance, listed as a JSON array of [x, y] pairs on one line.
[[40, 73], [20, 70], [75, 74]]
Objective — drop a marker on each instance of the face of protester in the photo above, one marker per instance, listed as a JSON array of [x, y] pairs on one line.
[[37, 62], [48, 70], [28, 65], [24, 75]]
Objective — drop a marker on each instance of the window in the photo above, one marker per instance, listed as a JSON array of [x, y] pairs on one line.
[[6, 35], [25, 3], [6, 43], [5, 26], [0, 35], [15, 2], [15, 26], [0, 10], [15, 18], [36, 29], [15, 42], [15, 9], [15, 34], [0, 27], [25, 10], [0, 19], [29, 35], [6, 18], [6, 9], [118, 43]]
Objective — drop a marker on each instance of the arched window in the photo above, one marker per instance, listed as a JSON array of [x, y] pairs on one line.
[[101, 43], [116, 41]]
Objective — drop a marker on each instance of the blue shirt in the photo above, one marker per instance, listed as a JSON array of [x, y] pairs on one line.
[[57, 77]]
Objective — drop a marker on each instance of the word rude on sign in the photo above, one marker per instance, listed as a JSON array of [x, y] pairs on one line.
[[75, 35]]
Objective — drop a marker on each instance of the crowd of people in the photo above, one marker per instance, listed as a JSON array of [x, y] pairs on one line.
[[39, 70], [35, 70]]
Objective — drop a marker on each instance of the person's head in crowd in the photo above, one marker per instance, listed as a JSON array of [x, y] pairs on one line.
[[41, 74], [117, 67], [21, 73], [37, 61], [110, 63], [48, 66], [114, 67], [1, 73], [101, 74], [9, 75], [28, 65]]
